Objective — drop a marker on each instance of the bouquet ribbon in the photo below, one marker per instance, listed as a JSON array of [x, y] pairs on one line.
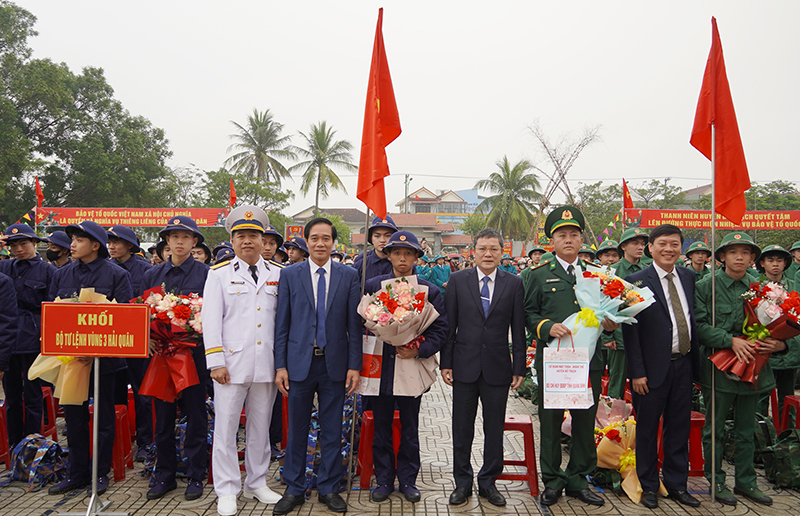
[[172, 368], [587, 317]]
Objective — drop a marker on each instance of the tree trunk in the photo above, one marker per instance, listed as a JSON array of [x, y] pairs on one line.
[[316, 201]]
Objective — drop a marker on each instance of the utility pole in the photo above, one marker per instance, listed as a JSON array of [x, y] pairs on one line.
[[407, 181]]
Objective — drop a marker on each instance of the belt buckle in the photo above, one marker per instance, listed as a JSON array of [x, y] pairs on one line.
[[318, 352]]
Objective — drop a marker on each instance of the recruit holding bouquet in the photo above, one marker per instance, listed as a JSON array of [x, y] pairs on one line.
[[770, 311], [398, 314], [175, 327]]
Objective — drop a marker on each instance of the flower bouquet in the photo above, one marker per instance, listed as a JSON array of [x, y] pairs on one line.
[[769, 311], [69, 375], [398, 314], [175, 327]]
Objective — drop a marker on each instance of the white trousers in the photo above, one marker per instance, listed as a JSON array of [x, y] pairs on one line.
[[228, 401]]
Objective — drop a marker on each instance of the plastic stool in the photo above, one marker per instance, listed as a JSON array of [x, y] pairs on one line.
[[522, 423], [696, 460], [788, 403], [122, 455], [5, 454], [604, 384], [49, 416], [365, 462]]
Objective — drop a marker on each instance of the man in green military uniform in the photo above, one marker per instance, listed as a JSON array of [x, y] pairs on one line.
[[506, 264], [586, 253], [698, 254], [549, 300], [607, 253], [793, 272], [535, 254], [773, 264], [736, 251], [631, 248]]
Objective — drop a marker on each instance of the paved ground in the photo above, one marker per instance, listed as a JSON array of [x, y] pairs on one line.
[[435, 482]]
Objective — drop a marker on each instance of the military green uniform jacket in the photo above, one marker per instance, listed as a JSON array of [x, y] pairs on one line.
[[550, 299], [623, 269], [792, 271], [730, 316], [700, 275]]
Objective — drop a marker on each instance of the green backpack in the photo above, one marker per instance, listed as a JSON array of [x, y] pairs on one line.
[[782, 460]]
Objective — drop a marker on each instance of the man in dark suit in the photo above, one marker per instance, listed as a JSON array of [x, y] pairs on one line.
[[663, 358], [482, 304], [317, 350]]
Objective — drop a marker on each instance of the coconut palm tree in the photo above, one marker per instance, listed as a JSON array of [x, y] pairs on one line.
[[515, 193], [322, 153], [260, 147]]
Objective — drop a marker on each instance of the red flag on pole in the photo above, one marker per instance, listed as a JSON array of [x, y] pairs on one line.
[[381, 127], [232, 196], [39, 194], [715, 107], [627, 200]]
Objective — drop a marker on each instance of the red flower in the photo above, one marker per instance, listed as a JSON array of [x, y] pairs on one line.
[[163, 316], [613, 435], [182, 312], [391, 305], [614, 288], [420, 296], [383, 297], [587, 274], [418, 306]]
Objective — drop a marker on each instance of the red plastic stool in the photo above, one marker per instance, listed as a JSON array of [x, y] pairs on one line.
[[49, 419], [122, 455], [5, 453], [788, 403], [365, 462], [522, 423], [696, 461], [604, 384]]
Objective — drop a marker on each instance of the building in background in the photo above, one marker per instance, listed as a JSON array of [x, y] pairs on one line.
[[449, 207]]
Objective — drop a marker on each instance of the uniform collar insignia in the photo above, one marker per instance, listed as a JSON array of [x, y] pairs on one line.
[[236, 266]]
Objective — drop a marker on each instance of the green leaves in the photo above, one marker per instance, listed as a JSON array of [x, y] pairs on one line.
[[516, 192], [260, 148]]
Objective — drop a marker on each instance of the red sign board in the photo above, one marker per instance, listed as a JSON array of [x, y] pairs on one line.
[[293, 231], [690, 219], [507, 247], [95, 330], [134, 217]]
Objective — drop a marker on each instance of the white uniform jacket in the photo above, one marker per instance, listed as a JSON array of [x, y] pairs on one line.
[[239, 320]]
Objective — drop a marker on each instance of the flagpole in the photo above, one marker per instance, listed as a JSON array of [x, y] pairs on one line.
[[713, 314]]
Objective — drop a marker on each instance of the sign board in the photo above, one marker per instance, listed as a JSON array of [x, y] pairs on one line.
[[293, 231], [691, 219], [95, 330], [133, 217], [508, 247]]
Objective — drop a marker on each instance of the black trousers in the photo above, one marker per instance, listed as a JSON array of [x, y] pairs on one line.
[[276, 423], [142, 404], [79, 439], [465, 408], [673, 400], [407, 463], [23, 399]]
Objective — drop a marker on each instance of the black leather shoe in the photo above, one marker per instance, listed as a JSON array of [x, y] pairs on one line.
[[160, 489], [550, 496], [586, 496], [492, 495], [286, 504], [411, 492], [460, 495], [684, 498], [650, 499], [102, 484], [753, 494], [381, 493], [67, 485], [334, 502]]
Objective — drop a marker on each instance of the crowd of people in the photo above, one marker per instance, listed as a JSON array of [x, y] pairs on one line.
[[281, 317]]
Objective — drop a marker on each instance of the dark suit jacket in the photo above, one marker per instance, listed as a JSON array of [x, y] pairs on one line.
[[477, 344], [648, 343], [295, 323]]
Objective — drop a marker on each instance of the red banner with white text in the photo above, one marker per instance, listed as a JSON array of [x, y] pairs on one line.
[[698, 219], [133, 217]]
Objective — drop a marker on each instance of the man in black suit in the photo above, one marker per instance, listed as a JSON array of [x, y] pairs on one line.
[[662, 352], [482, 304]]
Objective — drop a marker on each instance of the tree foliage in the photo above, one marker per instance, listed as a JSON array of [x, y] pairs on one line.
[[342, 229], [657, 195], [516, 191], [473, 223], [260, 148]]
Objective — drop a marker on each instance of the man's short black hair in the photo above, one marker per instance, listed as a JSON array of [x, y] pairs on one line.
[[79, 233], [665, 230], [319, 220], [488, 233]]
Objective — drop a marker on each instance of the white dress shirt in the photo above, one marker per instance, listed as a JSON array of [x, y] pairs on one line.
[[565, 264], [489, 284], [662, 276], [315, 278]]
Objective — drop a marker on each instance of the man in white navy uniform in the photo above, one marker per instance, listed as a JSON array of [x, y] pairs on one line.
[[239, 305]]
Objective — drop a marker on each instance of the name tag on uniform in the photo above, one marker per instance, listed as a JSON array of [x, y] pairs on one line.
[[237, 282], [552, 280]]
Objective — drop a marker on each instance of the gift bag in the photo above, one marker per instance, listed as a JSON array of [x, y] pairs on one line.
[[372, 349], [566, 378], [412, 377]]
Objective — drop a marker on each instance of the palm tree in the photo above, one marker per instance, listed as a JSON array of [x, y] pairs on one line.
[[260, 146], [322, 153], [516, 192]]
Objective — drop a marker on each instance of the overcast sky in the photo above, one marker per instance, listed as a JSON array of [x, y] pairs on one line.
[[469, 78]]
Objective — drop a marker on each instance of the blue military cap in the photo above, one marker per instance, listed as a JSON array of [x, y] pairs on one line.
[[95, 232], [506, 257], [282, 250], [440, 255], [224, 254], [270, 230], [125, 233], [378, 222], [222, 245], [20, 231], [60, 239], [298, 242], [207, 251], [425, 259], [405, 239], [338, 253], [182, 223], [160, 248]]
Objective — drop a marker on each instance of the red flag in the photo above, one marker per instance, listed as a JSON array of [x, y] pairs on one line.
[[381, 127], [627, 200], [232, 197], [715, 107], [39, 194]]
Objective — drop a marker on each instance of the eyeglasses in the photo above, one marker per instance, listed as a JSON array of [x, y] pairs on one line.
[[493, 250]]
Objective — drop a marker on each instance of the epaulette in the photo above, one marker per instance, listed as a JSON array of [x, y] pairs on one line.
[[540, 265], [218, 265], [590, 264], [273, 262]]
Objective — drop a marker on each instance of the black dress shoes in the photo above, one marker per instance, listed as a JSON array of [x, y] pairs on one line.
[[684, 498], [286, 504], [334, 502], [492, 495], [650, 499], [460, 495], [550, 496], [586, 496]]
